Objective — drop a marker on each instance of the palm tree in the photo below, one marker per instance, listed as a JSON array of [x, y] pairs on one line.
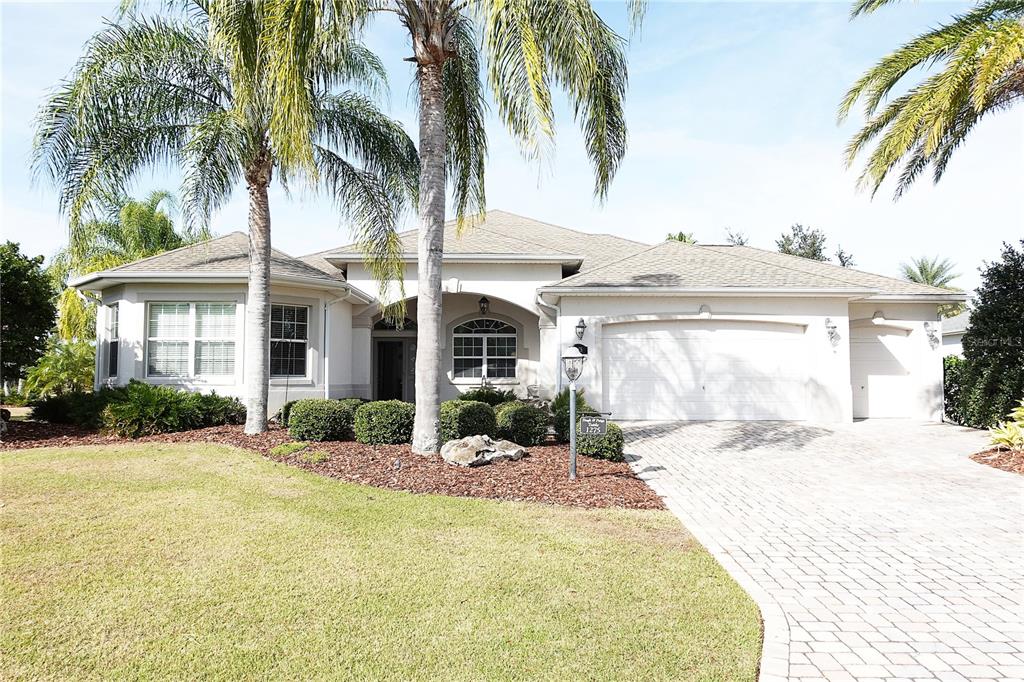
[[165, 91], [936, 273], [981, 71], [126, 230], [526, 49]]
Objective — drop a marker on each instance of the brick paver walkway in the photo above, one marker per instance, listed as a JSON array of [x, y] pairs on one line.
[[875, 550]]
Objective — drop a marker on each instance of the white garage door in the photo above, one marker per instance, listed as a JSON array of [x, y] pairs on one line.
[[879, 374], [702, 369]]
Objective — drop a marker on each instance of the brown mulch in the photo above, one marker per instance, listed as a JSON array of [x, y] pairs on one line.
[[1001, 458], [541, 476]]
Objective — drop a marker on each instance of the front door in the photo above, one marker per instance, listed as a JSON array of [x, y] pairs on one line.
[[396, 367]]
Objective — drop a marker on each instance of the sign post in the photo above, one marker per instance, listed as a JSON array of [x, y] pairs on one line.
[[572, 363]]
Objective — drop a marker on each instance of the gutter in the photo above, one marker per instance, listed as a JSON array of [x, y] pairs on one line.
[[697, 291], [409, 257], [203, 278]]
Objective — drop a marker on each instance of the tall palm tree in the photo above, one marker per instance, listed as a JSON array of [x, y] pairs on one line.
[[980, 55], [125, 230], [174, 91], [526, 48]]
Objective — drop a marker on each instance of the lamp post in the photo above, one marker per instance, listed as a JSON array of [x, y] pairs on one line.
[[572, 365]]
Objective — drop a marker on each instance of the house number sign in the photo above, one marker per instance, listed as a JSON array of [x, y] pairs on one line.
[[593, 426]]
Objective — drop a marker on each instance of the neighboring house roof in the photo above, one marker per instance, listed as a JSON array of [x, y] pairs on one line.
[[675, 265], [222, 257], [506, 234], [956, 324]]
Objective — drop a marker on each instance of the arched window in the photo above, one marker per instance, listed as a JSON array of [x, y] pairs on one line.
[[484, 348]]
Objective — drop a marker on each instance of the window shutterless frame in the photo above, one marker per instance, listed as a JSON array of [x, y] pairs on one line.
[[289, 341], [186, 340], [113, 340], [484, 347]]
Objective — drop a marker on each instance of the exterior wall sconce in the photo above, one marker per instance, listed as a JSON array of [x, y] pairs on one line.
[[704, 312], [485, 305], [932, 334], [833, 332], [581, 328]]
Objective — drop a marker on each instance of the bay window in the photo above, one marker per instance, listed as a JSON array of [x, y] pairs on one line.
[[190, 340]]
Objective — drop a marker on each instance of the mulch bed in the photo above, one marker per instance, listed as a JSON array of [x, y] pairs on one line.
[[541, 476], [1001, 458]]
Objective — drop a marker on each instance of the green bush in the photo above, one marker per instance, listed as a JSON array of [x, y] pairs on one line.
[[1010, 433], [319, 419], [952, 387], [560, 410], [79, 408], [486, 394], [461, 418], [385, 422], [140, 409], [285, 412], [608, 446], [521, 423]]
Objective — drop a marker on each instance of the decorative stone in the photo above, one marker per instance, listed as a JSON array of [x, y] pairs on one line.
[[473, 451]]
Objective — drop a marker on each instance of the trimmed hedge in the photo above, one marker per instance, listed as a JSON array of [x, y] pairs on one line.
[[140, 409], [491, 396], [560, 409], [608, 446], [385, 422], [461, 418], [521, 423], [80, 409], [319, 419]]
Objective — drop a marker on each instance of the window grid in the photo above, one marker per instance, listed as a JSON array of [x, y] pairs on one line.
[[113, 341], [190, 340], [289, 340], [484, 348]]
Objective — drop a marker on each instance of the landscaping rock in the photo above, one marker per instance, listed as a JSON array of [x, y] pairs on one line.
[[474, 451]]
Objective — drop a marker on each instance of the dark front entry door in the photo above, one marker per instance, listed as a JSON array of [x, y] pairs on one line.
[[390, 369]]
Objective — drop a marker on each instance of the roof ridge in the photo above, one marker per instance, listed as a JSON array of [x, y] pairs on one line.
[[590, 272], [563, 227], [851, 269], [180, 248], [739, 255]]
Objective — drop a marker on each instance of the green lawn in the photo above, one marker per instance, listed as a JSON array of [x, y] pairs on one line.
[[193, 561]]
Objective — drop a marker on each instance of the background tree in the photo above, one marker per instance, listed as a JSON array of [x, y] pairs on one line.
[[525, 48], [684, 237], [992, 372], [980, 59], [26, 310], [804, 242], [152, 91], [843, 258], [936, 273], [126, 231], [736, 238]]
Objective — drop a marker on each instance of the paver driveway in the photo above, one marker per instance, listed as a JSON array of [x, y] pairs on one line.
[[876, 550]]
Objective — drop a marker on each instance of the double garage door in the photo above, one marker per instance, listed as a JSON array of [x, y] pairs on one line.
[[704, 370]]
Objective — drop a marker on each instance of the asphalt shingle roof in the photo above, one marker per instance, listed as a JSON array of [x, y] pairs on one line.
[[228, 255], [502, 232], [675, 264]]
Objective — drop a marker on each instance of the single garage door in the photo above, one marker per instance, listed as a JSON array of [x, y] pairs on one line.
[[705, 370], [879, 374]]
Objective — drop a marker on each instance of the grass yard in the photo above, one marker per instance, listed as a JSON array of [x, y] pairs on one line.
[[203, 561]]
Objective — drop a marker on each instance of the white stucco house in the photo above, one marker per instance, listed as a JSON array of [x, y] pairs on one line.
[[673, 331]]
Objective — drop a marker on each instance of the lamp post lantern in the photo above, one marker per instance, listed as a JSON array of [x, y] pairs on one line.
[[572, 365]]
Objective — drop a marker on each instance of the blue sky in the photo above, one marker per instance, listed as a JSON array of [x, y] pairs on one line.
[[731, 112]]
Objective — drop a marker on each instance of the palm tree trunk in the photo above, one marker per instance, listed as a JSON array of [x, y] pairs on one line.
[[257, 307], [430, 250]]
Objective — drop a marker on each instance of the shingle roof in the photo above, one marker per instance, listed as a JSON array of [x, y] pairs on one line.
[[227, 255], [956, 324], [674, 264], [502, 232]]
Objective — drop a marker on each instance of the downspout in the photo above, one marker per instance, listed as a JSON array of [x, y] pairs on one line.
[[556, 313]]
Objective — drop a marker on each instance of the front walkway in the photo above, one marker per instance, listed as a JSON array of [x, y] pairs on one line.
[[875, 550]]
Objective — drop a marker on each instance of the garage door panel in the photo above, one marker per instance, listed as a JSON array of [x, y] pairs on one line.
[[880, 373], [699, 370]]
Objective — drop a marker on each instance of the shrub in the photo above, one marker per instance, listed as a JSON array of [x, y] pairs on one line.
[[608, 446], [79, 408], [285, 449], [1010, 433], [461, 418], [286, 410], [952, 387], [486, 394], [321, 419], [66, 366], [521, 423], [560, 409], [140, 409], [385, 422]]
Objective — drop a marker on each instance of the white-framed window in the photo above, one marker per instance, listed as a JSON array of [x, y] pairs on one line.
[[484, 347], [113, 339], [289, 340], [190, 340]]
